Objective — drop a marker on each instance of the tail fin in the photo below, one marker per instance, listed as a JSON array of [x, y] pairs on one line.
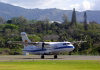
[[24, 37]]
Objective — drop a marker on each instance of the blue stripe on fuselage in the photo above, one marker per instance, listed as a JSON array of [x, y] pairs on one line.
[[39, 50], [64, 47], [35, 50]]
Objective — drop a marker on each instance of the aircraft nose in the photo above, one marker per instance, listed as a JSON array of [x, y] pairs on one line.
[[73, 47]]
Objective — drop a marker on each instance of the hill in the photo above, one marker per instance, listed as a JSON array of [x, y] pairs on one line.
[[8, 11]]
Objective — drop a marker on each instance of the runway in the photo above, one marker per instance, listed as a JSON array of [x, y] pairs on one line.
[[47, 57]]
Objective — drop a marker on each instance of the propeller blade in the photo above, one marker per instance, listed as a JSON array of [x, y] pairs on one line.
[[43, 45]]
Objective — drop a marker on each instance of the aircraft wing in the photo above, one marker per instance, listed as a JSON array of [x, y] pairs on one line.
[[30, 43], [78, 42], [20, 42]]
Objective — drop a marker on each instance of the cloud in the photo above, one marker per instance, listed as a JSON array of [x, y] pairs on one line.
[[61, 4], [77, 6], [87, 5], [96, 4]]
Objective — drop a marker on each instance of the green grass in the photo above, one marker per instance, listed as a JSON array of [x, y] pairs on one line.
[[51, 65]]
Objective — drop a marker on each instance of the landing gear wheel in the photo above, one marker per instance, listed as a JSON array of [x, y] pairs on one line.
[[42, 56], [55, 56], [70, 53]]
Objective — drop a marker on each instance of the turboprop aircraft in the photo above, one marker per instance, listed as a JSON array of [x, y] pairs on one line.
[[44, 48]]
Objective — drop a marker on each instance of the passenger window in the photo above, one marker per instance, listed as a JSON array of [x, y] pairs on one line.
[[64, 44]]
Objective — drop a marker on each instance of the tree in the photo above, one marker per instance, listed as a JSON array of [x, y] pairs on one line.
[[46, 20], [18, 20], [65, 19], [73, 20], [85, 21], [9, 21], [2, 21]]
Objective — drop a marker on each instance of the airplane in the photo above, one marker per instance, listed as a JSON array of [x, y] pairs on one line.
[[44, 48]]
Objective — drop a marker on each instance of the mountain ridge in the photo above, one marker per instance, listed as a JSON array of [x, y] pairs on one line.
[[8, 11]]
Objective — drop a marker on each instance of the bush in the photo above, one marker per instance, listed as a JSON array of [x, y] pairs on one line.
[[4, 51], [15, 52]]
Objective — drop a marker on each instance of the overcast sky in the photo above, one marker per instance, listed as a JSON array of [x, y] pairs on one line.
[[80, 5]]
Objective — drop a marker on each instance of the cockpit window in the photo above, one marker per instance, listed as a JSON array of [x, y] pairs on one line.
[[66, 43]]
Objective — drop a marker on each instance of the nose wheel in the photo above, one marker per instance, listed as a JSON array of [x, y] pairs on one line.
[[70, 53], [55, 57]]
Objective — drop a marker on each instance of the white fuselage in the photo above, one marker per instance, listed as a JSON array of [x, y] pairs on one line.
[[51, 48]]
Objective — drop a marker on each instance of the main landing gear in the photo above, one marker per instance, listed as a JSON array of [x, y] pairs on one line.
[[55, 56], [42, 57]]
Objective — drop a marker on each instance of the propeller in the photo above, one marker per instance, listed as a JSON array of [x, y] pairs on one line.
[[43, 45]]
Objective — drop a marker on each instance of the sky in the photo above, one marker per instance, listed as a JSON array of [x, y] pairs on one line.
[[80, 5]]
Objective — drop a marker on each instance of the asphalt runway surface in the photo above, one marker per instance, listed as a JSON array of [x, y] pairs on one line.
[[47, 57]]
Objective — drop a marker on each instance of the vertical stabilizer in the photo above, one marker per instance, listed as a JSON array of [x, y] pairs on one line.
[[24, 37]]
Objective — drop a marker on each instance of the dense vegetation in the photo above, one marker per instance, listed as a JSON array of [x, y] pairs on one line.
[[45, 31]]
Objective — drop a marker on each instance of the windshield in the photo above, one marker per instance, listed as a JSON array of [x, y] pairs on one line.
[[66, 43]]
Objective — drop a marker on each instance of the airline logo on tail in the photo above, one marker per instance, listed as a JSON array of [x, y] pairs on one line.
[[25, 41]]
